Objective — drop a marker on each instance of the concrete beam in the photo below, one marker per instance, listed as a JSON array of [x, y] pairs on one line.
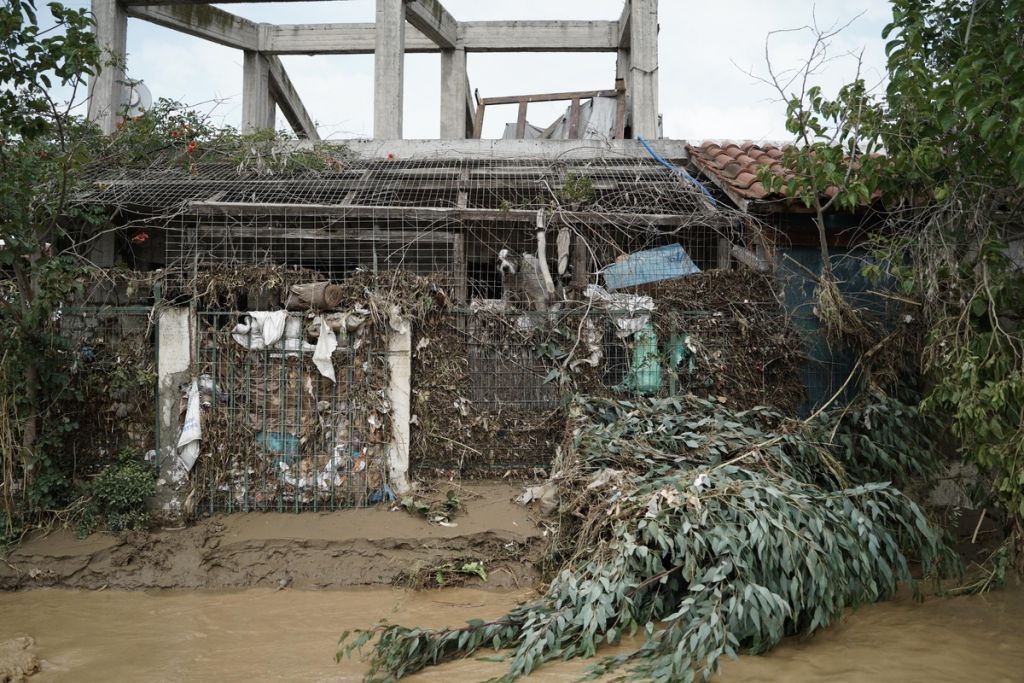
[[105, 87], [287, 98], [477, 36], [539, 36], [430, 17], [257, 103], [388, 71], [470, 110], [335, 39], [201, 21], [454, 94], [643, 28], [624, 24]]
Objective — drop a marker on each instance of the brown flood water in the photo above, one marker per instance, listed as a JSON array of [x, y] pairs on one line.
[[261, 634]]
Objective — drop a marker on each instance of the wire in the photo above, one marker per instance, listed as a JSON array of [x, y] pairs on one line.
[[675, 169]]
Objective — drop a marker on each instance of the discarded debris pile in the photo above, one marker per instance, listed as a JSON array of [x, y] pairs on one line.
[[491, 386], [111, 385], [293, 401], [710, 531], [737, 339]]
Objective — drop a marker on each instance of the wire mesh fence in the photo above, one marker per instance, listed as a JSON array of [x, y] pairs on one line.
[[559, 278], [283, 436]]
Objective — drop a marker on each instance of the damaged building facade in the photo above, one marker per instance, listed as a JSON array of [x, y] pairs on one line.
[[324, 335]]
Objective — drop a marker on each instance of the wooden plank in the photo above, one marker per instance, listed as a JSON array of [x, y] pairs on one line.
[[620, 116], [478, 123], [549, 97], [574, 119], [441, 213], [433, 20], [521, 120], [201, 21], [724, 260]]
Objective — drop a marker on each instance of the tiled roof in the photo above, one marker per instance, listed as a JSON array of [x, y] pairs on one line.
[[733, 167]]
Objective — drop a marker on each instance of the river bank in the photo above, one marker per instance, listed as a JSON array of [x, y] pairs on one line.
[[357, 547]]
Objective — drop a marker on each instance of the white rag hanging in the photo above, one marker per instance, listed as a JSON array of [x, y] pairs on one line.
[[191, 431], [261, 329], [325, 347]]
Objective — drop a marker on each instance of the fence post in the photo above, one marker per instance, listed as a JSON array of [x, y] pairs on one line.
[[400, 397]]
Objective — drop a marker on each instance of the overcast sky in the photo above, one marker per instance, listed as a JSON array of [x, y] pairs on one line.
[[704, 49]]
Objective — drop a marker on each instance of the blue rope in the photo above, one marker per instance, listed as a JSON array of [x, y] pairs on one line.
[[675, 169]]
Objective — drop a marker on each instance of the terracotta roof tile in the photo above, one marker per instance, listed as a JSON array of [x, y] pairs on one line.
[[734, 168]]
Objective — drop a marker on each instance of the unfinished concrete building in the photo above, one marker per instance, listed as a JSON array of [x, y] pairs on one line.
[[410, 256]]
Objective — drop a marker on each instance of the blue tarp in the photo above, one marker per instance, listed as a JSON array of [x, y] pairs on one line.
[[651, 265]]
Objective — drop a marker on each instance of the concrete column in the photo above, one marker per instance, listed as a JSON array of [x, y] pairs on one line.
[[257, 104], [453, 94], [388, 60], [105, 87], [400, 398], [174, 355], [644, 68]]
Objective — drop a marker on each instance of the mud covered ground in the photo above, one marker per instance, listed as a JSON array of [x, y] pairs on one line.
[[359, 547]]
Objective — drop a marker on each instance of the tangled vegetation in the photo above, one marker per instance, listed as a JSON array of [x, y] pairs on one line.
[[710, 532], [116, 498], [951, 125]]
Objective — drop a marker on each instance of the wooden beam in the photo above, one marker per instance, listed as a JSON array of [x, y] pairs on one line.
[[201, 21], [287, 98], [433, 20], [521, 120], [441, 213], [539, 36], [549, 97]]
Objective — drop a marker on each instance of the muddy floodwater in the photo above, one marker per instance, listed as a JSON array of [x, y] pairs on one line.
[[262, 634]]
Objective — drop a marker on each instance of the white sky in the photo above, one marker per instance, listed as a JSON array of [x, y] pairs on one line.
[[704, 49]]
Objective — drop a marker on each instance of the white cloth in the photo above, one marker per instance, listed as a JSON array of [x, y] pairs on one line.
[[325, 347], [629, 311], [191, 431], [261, 329]]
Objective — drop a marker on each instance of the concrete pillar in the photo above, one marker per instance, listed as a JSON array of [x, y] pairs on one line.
[[388, 72], [174, 356], [622, 71], [400, 398], [105, 87], [643, 69], [257, 104], [453, 94]]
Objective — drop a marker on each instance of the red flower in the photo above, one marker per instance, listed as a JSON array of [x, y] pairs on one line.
[[391, 156], [140, 238], [191, 147]]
